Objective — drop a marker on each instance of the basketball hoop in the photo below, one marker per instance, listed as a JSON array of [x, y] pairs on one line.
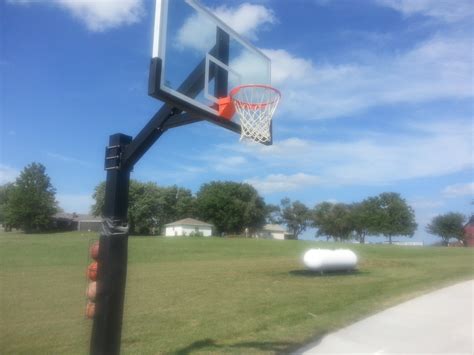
[[256, 105]]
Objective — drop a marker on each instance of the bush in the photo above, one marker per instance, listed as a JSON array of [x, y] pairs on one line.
[[196, 234]]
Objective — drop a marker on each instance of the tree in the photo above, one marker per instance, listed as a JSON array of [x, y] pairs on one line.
[[295, 215], [231, 207], [364, 219], [333, 220], [321, 219], [272, 214], [394, 216], [174, 203], [5, 192], [97, 208], [143, 207], [185, 203], [447, 226], [31, 201]]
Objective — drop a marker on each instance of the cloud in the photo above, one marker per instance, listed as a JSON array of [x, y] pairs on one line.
[[67, 159], [287, 68], [98, 15], [283, 183], [7, 174], [458, 190], [198, 32], [75, 202], [246, 19], [225, 164], [375, 158], [425, 203], [438, 68], [446, 11]]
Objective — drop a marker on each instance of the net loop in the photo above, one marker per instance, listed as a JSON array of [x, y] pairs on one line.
[[256, 105]]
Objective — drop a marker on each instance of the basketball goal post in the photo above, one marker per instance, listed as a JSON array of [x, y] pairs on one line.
[[254, 103]]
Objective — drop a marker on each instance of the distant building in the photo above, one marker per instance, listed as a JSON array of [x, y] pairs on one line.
[[74, 221], [188, 227], [88, 223], [469, 232], [65, 221], [410, 244], [273, 231]]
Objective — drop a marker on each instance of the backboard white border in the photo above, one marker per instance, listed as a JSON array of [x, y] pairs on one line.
[[159, 27]]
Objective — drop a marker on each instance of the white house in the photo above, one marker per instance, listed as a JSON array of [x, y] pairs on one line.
[[186, 227], [272, 231], [410, 244]]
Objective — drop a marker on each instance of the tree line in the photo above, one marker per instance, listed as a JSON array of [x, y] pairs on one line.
[[233, 208], [387, 214], [230, 206]]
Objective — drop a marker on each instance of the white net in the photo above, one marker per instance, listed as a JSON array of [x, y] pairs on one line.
[[255, 105]]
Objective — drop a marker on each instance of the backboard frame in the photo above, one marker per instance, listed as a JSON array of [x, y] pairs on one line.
[[198, 80]]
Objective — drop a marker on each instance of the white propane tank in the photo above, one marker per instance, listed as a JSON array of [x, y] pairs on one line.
[[330, 260]]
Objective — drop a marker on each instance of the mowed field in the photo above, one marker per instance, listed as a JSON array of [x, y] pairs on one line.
[[206, 295]]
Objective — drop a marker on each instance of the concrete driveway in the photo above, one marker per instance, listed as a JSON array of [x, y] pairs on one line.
[[439, 322]]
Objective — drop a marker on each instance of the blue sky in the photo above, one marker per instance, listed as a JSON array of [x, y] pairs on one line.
[[377, 96]]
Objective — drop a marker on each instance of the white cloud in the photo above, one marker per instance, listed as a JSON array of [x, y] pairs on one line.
[[458, 190], [439, 68], [7, 174], [98, 15], [425, 203], [227, 164], [199, 33], [196, 33], [75, 202], [375, 158], [246, 18], [447, 11], [251, 68], [283, 183], [286, 68], [67, 159], [222, 163]]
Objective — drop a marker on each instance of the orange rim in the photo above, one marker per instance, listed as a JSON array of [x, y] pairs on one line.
[[253, 106]]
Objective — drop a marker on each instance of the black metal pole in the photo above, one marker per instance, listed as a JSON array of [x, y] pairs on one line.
[[112, 270]]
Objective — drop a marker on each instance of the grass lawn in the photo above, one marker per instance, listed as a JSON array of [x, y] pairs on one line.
[[206, 294]]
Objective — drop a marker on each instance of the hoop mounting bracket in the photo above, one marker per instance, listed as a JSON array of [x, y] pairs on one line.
[[113, 157]]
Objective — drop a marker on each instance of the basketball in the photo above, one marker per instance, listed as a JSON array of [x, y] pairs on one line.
[[94, 251], [90, 310], [92, 291], [92, 271]]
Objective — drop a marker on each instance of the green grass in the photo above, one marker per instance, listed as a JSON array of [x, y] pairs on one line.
[[206, 294]]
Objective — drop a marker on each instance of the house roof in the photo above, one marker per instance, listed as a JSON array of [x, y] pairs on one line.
[[189, 222], [274, 228]]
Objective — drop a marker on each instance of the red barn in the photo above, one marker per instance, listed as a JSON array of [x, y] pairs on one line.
[[469, 232]]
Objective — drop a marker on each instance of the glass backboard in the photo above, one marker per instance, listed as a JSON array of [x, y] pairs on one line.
[[201, 58]]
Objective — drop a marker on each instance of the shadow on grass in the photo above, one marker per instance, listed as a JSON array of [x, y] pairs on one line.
[[278, 347], [309, 273]]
